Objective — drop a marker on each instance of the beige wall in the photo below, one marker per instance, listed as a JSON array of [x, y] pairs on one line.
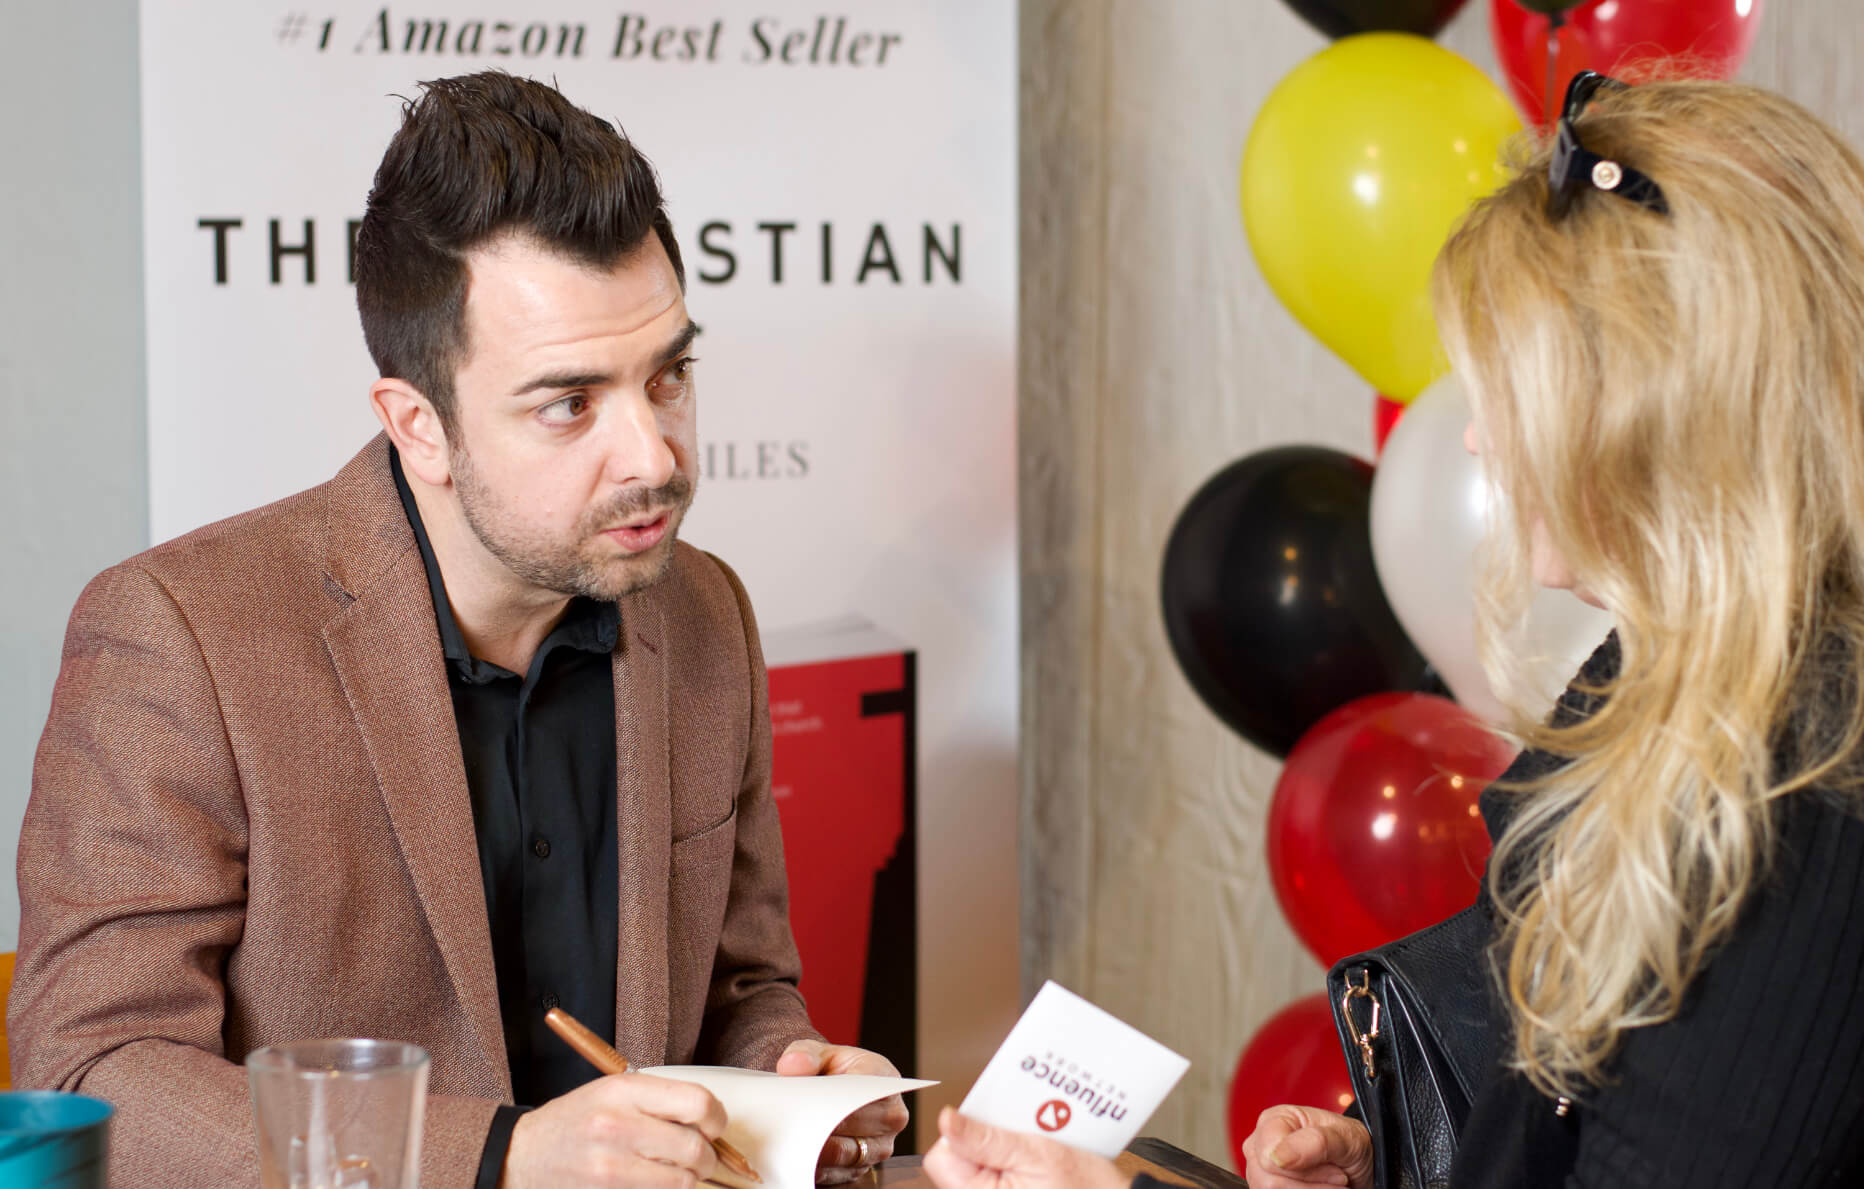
[[1153, 354]]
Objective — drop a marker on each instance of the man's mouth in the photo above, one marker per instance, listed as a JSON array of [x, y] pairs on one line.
[[640, 534]]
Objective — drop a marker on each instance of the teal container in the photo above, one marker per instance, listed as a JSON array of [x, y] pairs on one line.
[[50, 1140]]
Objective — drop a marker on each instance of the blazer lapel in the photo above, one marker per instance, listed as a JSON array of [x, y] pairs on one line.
[[644, 829], [386, 650]]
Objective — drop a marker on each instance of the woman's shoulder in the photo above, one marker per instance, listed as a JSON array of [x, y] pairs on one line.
[[1761, 1046], [1803, 916], [1818, 837]]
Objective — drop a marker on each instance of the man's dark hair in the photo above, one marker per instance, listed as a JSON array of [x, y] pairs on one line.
[[480, 156]]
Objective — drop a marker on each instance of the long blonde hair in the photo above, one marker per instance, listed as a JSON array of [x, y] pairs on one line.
[[1677, 402]]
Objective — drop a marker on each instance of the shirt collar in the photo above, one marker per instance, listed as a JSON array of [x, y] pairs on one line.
[[587, 625]]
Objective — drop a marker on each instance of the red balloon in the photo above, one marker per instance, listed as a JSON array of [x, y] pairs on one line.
[[1614, 36], [1385, 414], [1373, 831], [1294, 1058]]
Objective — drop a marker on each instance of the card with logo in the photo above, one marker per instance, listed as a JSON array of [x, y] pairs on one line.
[[1072, 1072]]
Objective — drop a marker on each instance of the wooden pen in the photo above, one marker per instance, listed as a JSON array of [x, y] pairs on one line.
[[603, 1056]]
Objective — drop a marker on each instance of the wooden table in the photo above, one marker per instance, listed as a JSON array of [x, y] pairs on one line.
[[1170, 1164]]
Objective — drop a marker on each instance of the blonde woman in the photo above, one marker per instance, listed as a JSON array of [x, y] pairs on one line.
[[1661, 325]]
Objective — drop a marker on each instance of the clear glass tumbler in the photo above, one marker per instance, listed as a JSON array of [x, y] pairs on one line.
[[339, 1114]]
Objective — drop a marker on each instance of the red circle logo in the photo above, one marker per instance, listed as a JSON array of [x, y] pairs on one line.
[[1053, 1115]]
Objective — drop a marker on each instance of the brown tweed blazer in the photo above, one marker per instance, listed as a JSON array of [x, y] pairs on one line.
[[249, 824]]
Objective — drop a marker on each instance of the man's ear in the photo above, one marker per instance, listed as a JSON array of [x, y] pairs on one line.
[[409, 419]]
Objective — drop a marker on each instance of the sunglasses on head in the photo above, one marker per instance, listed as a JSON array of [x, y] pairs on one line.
[[1575, 167]]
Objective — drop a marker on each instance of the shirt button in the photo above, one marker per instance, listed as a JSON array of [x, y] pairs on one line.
[[548, 1000], [540, 846]]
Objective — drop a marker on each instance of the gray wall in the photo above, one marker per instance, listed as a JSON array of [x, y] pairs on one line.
[[74, 484]]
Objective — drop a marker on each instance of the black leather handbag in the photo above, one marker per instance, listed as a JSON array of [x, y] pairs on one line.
[[1413, 1018]]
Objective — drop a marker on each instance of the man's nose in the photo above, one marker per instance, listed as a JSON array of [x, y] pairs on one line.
[[638, 451]]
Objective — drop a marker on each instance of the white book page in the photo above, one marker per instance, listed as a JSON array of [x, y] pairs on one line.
[[780, 1123]]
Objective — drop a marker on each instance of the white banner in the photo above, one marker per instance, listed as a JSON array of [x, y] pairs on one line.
[[843, 187]]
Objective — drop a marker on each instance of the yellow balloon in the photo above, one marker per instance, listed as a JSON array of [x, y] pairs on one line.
[[1358, 165]]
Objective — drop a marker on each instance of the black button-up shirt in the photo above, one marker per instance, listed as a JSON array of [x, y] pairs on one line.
[[539, 751]]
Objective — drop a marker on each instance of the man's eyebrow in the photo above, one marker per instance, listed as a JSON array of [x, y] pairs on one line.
[[564, 380], [676, 347], [679, 344]]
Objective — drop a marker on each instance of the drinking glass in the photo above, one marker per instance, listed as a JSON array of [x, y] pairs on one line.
[[339, 1114]]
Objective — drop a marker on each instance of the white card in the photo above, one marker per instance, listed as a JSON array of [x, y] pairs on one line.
[[781, 1123], [1074, 1073]]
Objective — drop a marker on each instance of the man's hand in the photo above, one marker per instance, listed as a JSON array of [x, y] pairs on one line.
[[1300, 1145], [973, 1155], [864, 1138], [628, 1129]]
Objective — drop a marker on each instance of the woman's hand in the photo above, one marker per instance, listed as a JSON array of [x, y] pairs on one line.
[[1300, 1145], [973, 1155]]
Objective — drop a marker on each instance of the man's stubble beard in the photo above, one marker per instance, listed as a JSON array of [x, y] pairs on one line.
[[562, 567]]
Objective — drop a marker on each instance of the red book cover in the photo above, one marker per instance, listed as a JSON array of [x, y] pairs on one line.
[[842, 702]]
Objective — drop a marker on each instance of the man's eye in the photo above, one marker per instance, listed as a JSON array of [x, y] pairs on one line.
[[566, 410], [674, 378]]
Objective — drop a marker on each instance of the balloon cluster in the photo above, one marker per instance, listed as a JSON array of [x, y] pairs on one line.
[[1313, 601]]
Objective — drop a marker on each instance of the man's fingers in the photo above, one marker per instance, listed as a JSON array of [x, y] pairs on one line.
[[676, 1145], [638, 1171], [879, 1149], [893, 1113], [846, 1158], [804, 1058], [865, 1137], [675, 1101], [886, 1117], [626, 1129], [849, 1059], [854, 1152]]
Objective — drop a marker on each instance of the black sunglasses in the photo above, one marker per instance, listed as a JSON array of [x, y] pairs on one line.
[[1575, 167]]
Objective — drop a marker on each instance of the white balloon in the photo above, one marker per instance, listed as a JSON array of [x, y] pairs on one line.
[[1430, 509]]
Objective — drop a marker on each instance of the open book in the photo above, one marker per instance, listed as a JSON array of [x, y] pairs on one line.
[[779, 1123]]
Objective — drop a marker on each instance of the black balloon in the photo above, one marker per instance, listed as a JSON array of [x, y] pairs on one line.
[[1343, 18], [1271, 601]]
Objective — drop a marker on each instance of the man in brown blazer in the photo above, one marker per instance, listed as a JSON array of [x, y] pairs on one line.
[[452, 738]]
